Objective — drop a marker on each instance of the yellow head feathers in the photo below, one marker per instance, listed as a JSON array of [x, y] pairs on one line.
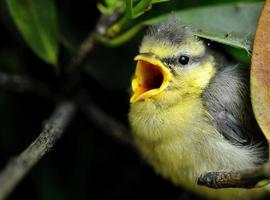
[[172, 62]]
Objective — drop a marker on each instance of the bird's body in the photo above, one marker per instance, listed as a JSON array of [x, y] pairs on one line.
[[190, 112]]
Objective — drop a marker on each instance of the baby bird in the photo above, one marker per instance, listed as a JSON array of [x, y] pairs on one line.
[[190, 111]]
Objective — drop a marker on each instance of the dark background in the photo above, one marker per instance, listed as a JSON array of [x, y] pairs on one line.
[[85, 163]]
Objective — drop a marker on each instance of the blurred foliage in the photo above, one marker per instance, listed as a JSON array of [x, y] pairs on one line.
[[37, 22], [84, 164], [110, 6]]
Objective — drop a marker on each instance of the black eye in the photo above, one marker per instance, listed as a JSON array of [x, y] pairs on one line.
[[183, 60]]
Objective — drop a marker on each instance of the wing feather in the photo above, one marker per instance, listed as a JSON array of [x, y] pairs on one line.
[[227, 100]]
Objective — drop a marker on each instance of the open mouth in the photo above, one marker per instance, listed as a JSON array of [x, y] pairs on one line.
[[151, 78]]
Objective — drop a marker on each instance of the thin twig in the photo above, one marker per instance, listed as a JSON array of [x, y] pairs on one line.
[[22, 84], [103, 23], [84, 49], [103, 121], [18, 167]]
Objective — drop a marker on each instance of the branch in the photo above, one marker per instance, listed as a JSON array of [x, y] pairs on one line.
[[106, 123], [20, 84], [248, 178], [84, 49], [104, 22], [17, 168]]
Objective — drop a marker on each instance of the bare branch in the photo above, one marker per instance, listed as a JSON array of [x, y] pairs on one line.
[[18, 167], [84, 49], [106, 123], [20, 84], [248, 178], [104, 22]]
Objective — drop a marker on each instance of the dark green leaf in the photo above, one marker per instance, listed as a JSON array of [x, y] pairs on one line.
[[37, 22], [240, 55], [233, 24]]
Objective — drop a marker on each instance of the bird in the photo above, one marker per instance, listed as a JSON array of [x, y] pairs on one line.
[[190, 111]]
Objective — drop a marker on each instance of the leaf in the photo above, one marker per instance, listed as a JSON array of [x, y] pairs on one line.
[[239, 55], [158, 1], [37, 22], [233, 24], [260, 72]]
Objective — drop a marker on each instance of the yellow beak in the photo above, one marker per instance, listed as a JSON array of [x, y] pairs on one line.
[[151, 77]]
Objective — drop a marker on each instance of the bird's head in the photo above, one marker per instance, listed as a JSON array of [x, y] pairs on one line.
[[172, 64]]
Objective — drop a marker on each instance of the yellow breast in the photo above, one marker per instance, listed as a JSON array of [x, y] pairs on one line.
[[182, 144]]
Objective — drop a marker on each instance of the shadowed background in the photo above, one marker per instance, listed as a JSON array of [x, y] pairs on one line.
[[85, 163]]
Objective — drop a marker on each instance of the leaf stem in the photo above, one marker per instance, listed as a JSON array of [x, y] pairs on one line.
[[129, 8], [138, 10], [120, 39]]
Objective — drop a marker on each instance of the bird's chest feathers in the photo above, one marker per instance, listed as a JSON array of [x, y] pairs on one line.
[[151, 124], [164, 136]]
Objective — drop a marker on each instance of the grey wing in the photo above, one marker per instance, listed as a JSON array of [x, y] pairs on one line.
[[227, 101], [231, 127]]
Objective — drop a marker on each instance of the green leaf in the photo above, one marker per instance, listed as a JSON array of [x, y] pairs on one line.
[[37, 22], [158, 1], [233, 24], [238, 54]]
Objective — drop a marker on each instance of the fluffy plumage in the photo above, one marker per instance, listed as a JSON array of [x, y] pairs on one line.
[[227, 100], [170, 31], [202, 121]]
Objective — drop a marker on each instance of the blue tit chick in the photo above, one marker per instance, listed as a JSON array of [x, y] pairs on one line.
[[190, 111]]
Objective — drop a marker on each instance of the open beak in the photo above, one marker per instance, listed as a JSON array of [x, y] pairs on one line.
[[151, 77]]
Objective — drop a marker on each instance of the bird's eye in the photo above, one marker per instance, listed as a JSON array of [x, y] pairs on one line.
[[183, 60]]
